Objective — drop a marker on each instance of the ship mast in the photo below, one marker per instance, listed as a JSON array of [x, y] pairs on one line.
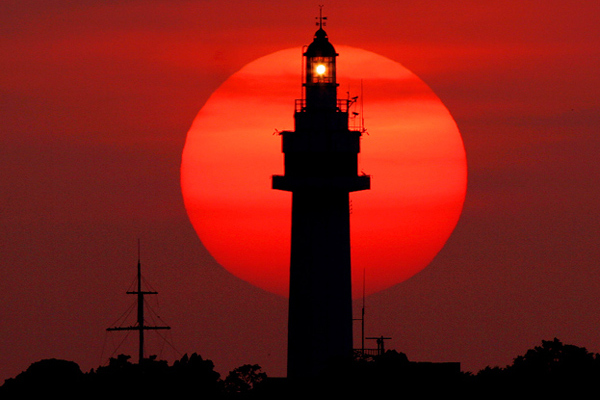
[[140, 325]]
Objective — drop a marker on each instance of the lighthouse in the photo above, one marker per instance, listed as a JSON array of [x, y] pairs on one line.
[[320, 170]]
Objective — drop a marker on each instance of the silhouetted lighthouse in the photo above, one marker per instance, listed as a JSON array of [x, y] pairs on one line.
[[320, 170]]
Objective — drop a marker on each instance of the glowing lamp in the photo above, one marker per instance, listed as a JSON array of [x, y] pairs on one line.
[[320, 70]]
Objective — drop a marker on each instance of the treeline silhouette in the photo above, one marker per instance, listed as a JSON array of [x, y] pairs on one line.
[[550, 370], [190, 377]]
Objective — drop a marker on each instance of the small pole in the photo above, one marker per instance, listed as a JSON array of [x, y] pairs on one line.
[[140, 307], [363, 317]]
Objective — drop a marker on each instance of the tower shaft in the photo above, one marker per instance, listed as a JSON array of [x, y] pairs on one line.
[[320, 303]]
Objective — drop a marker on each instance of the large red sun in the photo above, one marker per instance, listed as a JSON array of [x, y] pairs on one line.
[[412, 150]]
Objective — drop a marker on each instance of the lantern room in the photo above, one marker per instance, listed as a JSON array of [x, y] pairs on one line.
[[319, 81], [320, 60]]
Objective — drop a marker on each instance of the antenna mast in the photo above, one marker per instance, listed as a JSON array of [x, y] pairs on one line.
[[363, 316], [321, 18], [362, 109], [140, 325], [362, 320]]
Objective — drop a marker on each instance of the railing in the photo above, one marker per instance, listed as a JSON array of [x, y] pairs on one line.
[[341, 105], [367, 352]]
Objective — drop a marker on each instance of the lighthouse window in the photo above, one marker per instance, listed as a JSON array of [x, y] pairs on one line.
[[321, 70]]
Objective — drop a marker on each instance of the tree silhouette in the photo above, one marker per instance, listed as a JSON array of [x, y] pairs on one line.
[[196, 375], [554, 359], [191, 376], [550, 369], [44, 377], [153, 378], [244, 379]]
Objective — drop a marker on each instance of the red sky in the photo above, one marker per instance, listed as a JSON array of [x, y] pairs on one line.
[[97, 98]]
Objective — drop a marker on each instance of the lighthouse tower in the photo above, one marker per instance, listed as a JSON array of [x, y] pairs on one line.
[[320, 162]]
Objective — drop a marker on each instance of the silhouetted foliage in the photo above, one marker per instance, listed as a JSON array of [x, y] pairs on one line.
[[121, 376], [191, 376], [548, 370], [196, 374], [50, 376], [554, 360], [154, 378], [242, 380]]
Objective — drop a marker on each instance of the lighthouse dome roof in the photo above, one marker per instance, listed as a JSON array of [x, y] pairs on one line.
[[320, 47]]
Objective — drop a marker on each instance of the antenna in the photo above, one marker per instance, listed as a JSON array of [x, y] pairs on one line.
[[363, 314], [362, 321], [362, 111], [140, 326], [302, 87]]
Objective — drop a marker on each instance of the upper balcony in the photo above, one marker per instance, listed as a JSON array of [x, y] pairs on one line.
[[341, 105]]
